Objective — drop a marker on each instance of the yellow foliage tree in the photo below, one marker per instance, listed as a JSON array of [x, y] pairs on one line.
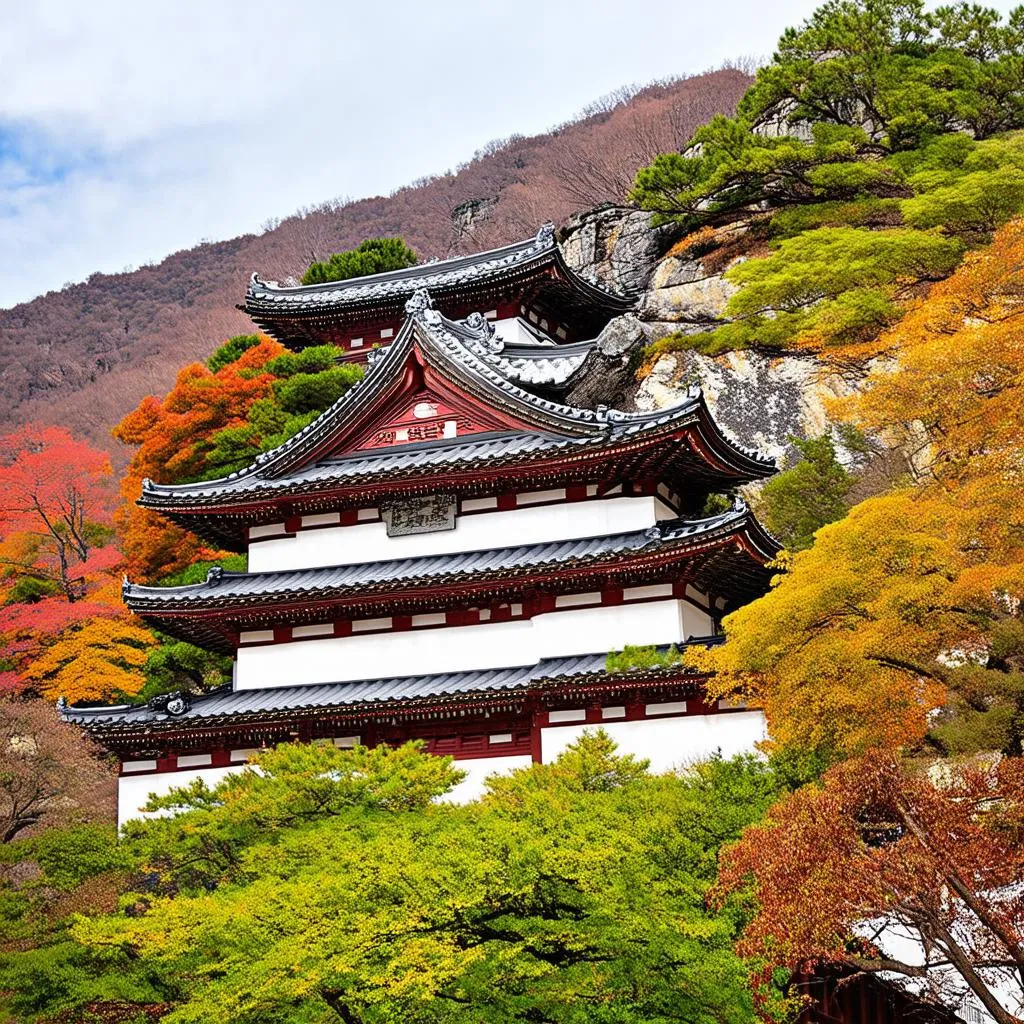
[[100, 659], [856, 645]]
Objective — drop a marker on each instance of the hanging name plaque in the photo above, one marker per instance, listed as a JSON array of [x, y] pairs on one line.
[[428, 514]]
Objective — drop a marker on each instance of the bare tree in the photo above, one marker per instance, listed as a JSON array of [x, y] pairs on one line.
[[50, 772]]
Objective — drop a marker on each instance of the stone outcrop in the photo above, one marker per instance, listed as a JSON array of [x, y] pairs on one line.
[[684, 291], [762, 400], [690, 288], [608, 377], [614, 247], [470, 214]]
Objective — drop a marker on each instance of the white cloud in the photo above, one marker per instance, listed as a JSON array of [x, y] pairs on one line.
[[130, 130]]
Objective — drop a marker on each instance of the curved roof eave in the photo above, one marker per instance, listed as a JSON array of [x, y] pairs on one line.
[[360, 696], [222, 589], [458, 350], [265, 299]]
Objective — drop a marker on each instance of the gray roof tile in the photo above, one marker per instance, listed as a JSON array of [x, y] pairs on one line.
[[237, 704], [269, 296], [231, 588]]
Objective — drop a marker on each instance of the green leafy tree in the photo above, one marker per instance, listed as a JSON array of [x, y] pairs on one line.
[[47, 883], [905, 73], [331, 885], [177, 665], [374, 256], [799, 501], [878, 144], [305, 384], [231, 350], [314, 392]]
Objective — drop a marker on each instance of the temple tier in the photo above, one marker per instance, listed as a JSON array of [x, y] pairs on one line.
[[526, 287], [450, 552]]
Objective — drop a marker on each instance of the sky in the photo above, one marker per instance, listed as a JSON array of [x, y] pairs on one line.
[[130, 130]]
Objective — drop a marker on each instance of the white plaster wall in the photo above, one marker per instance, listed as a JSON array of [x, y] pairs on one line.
[[668, 742], [478, 769], [462, 648], [514, 331], [369, 542], [696, 622], [133, 791]]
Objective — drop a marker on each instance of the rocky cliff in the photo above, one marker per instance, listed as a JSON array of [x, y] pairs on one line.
[[761, 399]]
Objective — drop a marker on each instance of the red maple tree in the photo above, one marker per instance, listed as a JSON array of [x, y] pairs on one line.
[[887, 869], [56, 508]]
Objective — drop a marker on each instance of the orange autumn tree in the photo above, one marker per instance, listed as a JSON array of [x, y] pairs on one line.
[[172, 437], [251, 396], [912, 603], [93, 661]]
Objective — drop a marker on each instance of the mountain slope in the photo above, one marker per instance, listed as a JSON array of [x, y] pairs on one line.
[[85, 355]]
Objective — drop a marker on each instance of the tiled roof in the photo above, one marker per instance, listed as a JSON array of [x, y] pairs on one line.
[[228, 589], [267, 299], [541, 365], [474, 357], [239, 704]]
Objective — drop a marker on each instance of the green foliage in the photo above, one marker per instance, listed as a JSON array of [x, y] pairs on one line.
[[307, 383], [309, 360], [976, 203], [715, 504], [232, 449], [196, 572], [633, 658], [906, 73], [231, 350], [589, 765], [314, 392], [374, 256], [912, 120], [827, 286], [795, 504], [829, 263], [30, 589], [177, 665], [735, 169], [67, 857], [334, 887], [868, 211], [55, 876]]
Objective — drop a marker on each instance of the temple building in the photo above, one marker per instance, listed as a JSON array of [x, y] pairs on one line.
[[450, 552], [527, 289]]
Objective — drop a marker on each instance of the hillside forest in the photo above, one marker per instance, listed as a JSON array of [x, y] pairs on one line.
[[83, 356], [863, 196]]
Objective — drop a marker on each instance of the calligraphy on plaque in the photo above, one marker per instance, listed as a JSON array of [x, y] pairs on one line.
[[428, 514]]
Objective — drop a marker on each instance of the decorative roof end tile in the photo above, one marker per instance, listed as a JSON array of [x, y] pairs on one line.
[[418, 303]]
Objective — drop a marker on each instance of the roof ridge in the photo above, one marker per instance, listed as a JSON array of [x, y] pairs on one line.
[[541, 242]]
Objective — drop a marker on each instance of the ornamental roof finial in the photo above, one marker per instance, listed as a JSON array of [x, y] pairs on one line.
[[546, 234], [419, 302]]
